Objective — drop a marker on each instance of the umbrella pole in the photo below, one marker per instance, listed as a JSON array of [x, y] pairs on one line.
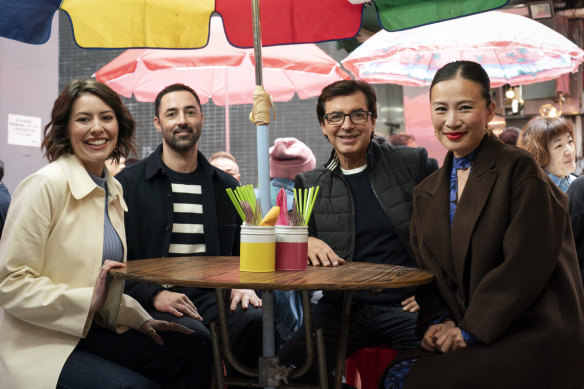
[[227, 142], [269, 349], [227, 135], [262, 129]]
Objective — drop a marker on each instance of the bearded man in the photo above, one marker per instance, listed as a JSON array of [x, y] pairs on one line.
[[178, 206]]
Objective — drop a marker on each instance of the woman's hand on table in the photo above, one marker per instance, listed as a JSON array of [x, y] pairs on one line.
[[152, 327], [177, 304], [100, 288], [320, 253], [410, 304], [245, 297]]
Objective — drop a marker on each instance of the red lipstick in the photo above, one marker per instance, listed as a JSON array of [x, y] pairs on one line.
[[454, 135]]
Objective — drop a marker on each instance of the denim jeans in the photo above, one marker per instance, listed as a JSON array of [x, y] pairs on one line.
[[287, 312], [370, 325], [89, 371], [105, 359]]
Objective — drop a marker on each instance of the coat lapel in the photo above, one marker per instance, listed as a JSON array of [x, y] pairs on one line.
[[434, 197], [477, 191]]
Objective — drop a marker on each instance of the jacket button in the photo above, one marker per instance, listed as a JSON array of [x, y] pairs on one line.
[[167, 227]]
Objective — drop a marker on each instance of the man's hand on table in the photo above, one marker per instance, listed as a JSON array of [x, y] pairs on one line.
[[176, 304], [320, 254], [245, 297]]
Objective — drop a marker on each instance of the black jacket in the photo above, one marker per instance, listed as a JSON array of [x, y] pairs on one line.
[[576, 195], [393, 171], [148, 195]]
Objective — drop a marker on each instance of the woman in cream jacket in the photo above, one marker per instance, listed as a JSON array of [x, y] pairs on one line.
[[62, 323]]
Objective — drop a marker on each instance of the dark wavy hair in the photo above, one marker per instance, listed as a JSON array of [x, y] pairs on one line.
[[56, 141], [345, 88]]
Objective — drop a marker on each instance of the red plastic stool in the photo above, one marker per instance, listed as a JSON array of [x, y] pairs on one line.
[[364, 367]]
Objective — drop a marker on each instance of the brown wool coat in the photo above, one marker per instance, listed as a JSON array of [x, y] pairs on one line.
[[507, 273]]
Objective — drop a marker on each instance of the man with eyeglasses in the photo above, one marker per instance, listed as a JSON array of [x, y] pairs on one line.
[[362, 213]]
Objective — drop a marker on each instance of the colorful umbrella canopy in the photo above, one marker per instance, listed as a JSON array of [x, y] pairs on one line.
[[513, 50], [185, 23], [222, 72]]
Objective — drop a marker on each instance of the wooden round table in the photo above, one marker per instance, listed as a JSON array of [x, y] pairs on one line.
[[223, 273]]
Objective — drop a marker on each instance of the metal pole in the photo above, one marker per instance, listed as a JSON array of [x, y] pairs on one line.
[[262, 130], [227, 134], [257, 40]]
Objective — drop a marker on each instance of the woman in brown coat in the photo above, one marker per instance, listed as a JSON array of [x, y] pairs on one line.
[[505, 308]]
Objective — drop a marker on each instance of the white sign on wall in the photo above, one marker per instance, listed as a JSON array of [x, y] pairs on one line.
[[24, 130]]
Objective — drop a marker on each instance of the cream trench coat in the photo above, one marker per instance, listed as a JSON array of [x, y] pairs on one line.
[[50, 256]]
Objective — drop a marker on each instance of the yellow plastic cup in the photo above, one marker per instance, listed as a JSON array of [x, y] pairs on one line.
[[257, 251]]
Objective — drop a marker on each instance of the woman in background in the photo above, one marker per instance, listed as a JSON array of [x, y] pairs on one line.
[[551, 142], [62, 322], [505, 308]]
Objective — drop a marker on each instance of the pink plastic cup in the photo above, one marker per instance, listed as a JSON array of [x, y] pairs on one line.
[[291, 247]]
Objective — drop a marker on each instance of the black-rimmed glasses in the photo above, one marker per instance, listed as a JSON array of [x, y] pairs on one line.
[[337, 118]]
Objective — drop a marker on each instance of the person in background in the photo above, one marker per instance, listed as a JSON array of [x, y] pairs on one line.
[[114, 167], [510, 135], [4, 199], [576, 196], [505, 308], [226, 162], [551, 142], [178, 207], [288, 157], [63, 323], [403, 140], [362, 213]]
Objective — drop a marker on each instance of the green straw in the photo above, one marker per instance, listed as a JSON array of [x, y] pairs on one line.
[[305, 203], [311, 205], [238, 195], [235, 203]]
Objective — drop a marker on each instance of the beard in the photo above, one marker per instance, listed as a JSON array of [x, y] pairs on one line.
[[183, 142]]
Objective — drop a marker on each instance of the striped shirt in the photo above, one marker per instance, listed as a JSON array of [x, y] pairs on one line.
[[187, 237]]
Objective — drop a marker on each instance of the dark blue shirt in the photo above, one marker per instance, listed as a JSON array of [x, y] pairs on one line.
[[375, 238]]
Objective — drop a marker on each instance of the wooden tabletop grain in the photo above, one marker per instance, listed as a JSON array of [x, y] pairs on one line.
[[223, 272]]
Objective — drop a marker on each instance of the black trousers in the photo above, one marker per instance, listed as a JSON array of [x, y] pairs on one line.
[[105, 359], [244, 325], [369, 325]]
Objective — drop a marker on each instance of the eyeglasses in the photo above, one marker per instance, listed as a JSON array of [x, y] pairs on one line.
[[338, 118]]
